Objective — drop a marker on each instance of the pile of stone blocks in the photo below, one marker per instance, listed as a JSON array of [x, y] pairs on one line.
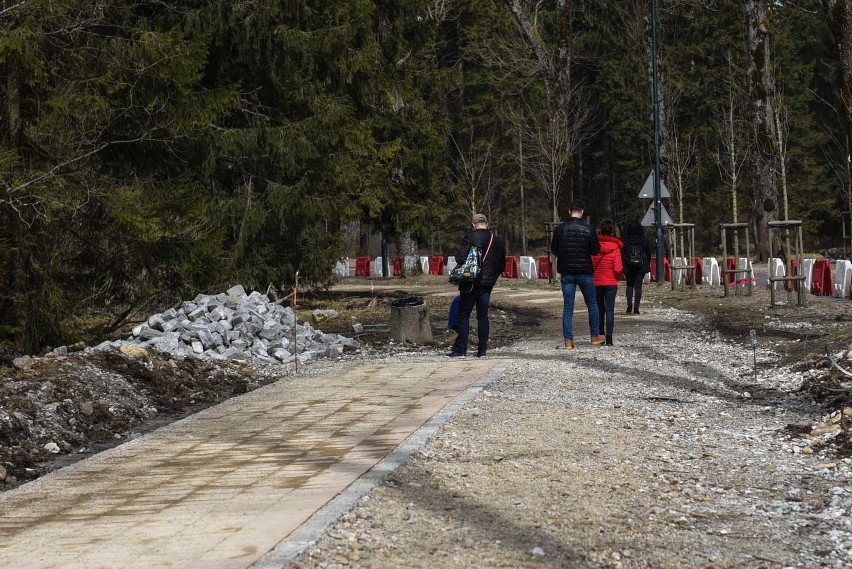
[[235, 326]]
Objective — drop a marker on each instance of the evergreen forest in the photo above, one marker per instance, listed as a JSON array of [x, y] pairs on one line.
[[152, 149]]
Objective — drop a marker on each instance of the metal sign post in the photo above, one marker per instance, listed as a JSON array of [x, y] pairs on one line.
[[658, 221]]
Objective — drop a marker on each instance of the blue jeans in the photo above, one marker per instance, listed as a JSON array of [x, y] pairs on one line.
[[569, 289], [480, 297], [606, 307]]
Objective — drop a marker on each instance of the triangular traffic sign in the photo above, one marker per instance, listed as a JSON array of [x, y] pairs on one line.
[[649, 221], [647, 190]]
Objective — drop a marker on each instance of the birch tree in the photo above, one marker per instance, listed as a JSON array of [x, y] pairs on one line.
[[568, 119], [732, 153]]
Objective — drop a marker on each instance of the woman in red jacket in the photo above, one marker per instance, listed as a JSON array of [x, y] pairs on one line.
[[608, 271]]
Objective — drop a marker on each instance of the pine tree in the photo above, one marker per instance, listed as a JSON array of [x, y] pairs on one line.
[[840, 22], [801, 46], [340, 120], [99, 103]]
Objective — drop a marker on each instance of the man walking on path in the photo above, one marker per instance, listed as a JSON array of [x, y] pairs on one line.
[[479, 292], [574, 242]]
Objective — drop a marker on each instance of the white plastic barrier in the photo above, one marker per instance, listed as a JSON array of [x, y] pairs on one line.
[[842, 279], [341, 268], [424, 265], [451, 262], [528, 268], [678, 274], [776, 268], [808, 271], [744, 264], [377, 267], [710, 273]]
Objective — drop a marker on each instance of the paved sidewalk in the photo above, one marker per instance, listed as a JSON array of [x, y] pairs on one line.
[[222, 488]]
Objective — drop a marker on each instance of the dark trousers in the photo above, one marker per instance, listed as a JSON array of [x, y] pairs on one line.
[[479, 297], [606, 307], [634, 289]]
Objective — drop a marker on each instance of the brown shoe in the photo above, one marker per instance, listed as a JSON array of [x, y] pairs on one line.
[[569, 344], [598, 340]]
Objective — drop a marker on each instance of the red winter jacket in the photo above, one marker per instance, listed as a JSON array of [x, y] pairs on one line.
[[607, 263]]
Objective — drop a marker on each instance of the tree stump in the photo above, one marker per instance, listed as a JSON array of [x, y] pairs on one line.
[[409, 321]]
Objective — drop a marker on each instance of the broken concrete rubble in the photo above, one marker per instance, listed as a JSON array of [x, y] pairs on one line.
[[234, 326]]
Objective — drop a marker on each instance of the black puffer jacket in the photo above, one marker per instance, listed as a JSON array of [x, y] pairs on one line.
[[495, 261], [574, 242]]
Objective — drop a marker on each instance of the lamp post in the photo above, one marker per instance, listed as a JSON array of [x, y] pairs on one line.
[[658, 206]]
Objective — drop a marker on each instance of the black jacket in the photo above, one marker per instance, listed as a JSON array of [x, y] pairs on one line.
[[574, 242], [494, 263], [640, 240]]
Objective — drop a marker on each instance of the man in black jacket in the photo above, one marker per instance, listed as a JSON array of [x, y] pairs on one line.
[[574, 242], [478, 293]]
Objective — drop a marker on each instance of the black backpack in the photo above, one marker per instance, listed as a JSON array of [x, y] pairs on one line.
[[635, 256]]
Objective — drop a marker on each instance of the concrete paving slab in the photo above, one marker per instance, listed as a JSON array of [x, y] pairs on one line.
[[223, 488]]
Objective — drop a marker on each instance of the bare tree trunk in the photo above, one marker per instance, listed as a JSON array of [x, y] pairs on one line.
[[840, 22], [534, 41], [363, 240], [23, 286], [406, 245], [523, 202], [14, 120], [764, 186], [564, 88]]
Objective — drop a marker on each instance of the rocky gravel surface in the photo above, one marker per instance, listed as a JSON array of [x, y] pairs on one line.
[[669, 449], [680, 446]]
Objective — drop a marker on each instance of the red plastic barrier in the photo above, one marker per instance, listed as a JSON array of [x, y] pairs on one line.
[[821, 281], [397, 267], [792, 285], [544, 267], [511, 271], [667, 270], [362, 266], [436, 265], [731, 265], [699, 272]]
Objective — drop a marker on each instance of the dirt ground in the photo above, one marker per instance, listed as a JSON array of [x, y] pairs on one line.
[[55, 410]]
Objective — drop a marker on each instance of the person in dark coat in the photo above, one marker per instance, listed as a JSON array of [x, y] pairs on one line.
[[478, 293], [636, 260], [574, 242]]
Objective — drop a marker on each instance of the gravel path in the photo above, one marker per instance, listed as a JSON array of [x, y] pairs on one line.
[[662, 451]]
